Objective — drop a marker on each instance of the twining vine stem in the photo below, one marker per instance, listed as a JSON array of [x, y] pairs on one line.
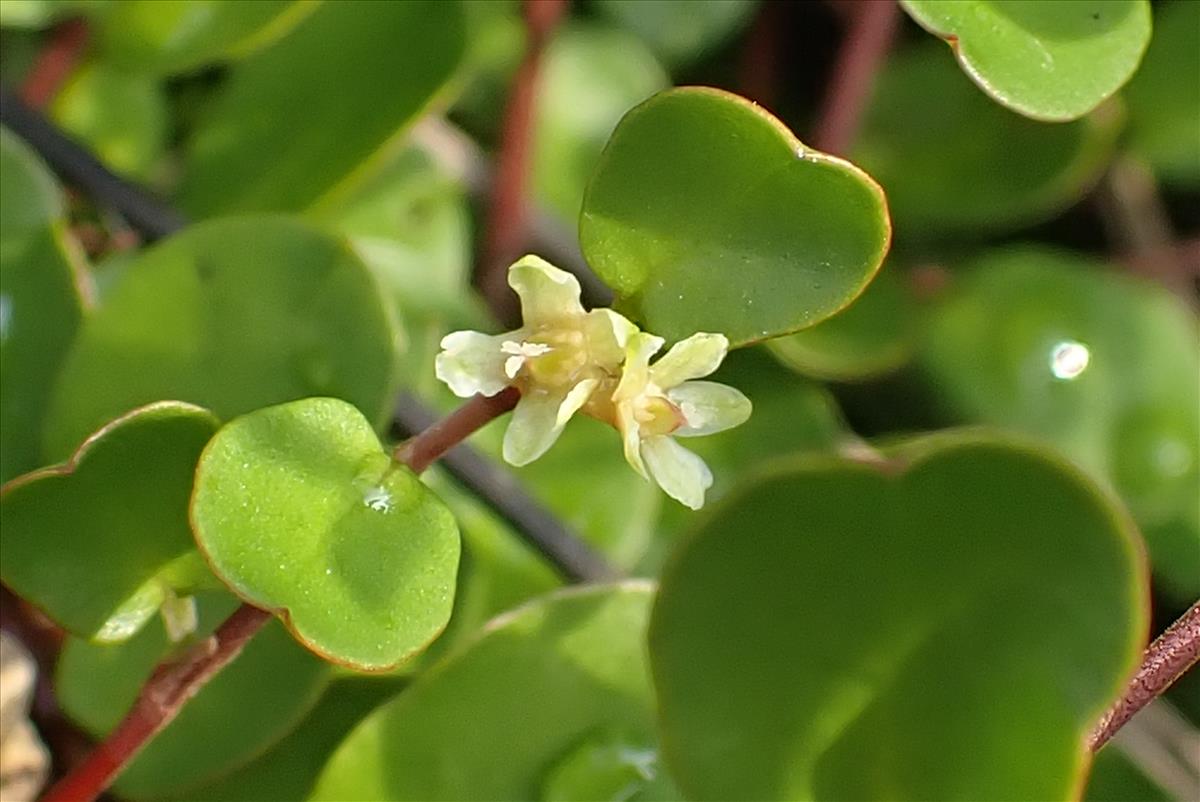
[[1167, 659], [174, 683]]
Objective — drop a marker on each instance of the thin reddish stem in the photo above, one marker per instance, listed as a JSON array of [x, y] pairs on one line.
[[872, 27], [55, 63], [174, 683], [160, 700], [1166, 660], [427, 447], [508, 219]]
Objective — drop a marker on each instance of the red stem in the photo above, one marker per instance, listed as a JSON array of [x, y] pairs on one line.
[[507, 231], [1166, 660], [55, 63], [872, 27], [426, 448], [174, 683], [160, 700]]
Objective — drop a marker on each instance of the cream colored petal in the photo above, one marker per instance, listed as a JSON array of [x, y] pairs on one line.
[[472, 362], [709, 407], [539, 419], [697, 356], [680, 473], [608, 334], [547, 293], [631, 437], [636, 372]]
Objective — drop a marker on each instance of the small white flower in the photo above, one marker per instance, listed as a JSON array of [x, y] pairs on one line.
[[557, 359], [653, 404]]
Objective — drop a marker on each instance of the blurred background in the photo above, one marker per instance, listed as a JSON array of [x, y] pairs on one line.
[[1044, 277]]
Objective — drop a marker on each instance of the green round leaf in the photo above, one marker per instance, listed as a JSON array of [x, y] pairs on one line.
[[295, 125], [1050, 60], [249, 705], [98, 541], [952, 162], [44, 290], [948, 626], [507, 716], [1164, 111], [172, 36], [232, 315], [1099, 363], [121, 116], [300, 511], [874, 336], [706, 214]]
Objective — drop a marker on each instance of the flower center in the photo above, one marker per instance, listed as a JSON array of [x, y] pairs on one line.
[[657, 416], [550, 358]]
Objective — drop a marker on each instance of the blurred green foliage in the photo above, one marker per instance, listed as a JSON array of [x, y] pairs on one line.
[[863, 613]]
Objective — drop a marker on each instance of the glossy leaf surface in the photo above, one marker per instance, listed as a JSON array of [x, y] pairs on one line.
[[954, 625], [1098, 363], [43, 292], [299, 511], [98, 541], [321, 119], [232, 315], [703, 216], [1164, 108], [953, 162], [497, 719], [1047, 59], [171, 36], [251, 704]]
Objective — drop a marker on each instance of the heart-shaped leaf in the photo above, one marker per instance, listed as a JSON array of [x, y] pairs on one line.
[[706, 214], [251, 704], [232, 315], [948, 625], [1047, 59], [558, 682], [300, 511], [953, 162], [44, 291], [98, 542], [294, 124], [1095, 361]]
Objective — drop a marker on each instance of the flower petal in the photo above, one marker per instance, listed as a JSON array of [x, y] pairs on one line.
[[638, 350], [708, 407], [608, 334], [547, 293], [698, 355], [631, 437], [539, 419], [472, 362], [680, 473]]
